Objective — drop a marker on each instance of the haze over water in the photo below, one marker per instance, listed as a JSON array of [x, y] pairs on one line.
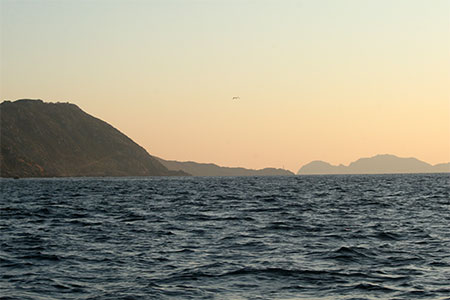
[[317, 80], [299, 237]]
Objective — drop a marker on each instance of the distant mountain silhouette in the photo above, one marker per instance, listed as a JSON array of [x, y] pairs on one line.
[[202, 169], [379, 164], [58, 139]]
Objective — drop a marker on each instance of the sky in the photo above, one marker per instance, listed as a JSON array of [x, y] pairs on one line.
[[317, 80]]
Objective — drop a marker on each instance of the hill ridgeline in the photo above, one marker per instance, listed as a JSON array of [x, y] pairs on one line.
[[379, 164], [203, 169], [41, 139]]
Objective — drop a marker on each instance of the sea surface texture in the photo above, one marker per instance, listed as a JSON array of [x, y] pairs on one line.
[[299, 237]]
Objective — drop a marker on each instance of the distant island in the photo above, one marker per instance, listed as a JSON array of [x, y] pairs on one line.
[[203, 169], [41, 139], [379, 164]]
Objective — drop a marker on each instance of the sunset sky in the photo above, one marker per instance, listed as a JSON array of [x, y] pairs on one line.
[[328, 80]]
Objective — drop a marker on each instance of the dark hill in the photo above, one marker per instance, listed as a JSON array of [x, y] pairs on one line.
[[202, 169], [59, 139]]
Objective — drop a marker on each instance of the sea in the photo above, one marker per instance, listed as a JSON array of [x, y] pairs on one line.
[[295, 237]]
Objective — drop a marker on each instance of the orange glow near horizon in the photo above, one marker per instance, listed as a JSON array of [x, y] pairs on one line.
[[317, 80]]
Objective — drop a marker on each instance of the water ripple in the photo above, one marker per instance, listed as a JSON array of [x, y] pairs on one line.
[[300, 237]]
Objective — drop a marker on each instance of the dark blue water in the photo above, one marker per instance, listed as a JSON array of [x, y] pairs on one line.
[[318, 237]]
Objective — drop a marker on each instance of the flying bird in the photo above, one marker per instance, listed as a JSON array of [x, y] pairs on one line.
[[236, 98]]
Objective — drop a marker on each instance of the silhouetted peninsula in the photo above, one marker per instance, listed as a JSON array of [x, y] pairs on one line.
[[41, 139], [202, 169], [379, 164]]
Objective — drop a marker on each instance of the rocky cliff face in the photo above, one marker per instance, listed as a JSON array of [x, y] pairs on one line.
[[59, 139]]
